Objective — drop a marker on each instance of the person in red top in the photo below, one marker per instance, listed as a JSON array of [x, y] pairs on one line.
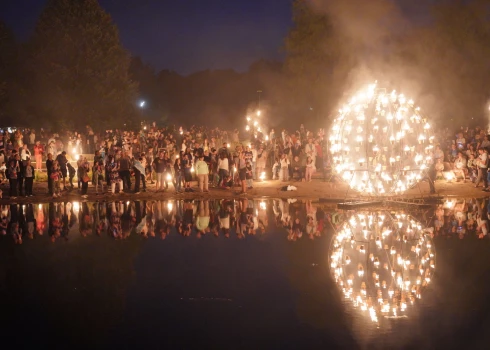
[[38, 155]]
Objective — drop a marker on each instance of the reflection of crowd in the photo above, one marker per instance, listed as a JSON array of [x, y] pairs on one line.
[[145, 218], [119, 220], [226, 217], [462, 218]]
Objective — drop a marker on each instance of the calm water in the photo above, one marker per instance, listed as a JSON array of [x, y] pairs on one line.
[[239, 275]]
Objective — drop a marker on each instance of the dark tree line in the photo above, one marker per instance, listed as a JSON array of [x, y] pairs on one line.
[[73, 71]]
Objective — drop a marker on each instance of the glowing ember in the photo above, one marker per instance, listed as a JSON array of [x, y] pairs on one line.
[[380, 143]]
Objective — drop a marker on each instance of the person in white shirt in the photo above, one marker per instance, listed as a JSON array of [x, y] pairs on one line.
[[223, 169], [310, 150], [460, 166], [482, 164], [25, 154], [284, 173]]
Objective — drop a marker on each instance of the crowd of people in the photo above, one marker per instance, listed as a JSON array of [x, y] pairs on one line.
[[118, 161], [463, 156], [227, 218], [118, 219]]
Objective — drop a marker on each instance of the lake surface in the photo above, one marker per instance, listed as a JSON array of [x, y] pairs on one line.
[[244, 274]]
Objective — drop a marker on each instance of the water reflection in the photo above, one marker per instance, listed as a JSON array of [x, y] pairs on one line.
[[382, 261], [196, 218], [269, 255]]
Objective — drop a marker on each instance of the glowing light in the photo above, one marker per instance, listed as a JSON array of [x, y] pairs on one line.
[[380, 141], [142, 104], [262, 176], [361, 246], [76, 207], [259, 113], [170, 206], [169, 177]]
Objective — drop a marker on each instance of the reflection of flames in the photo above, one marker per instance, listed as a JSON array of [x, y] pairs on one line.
[[380, 143], [382, 262]]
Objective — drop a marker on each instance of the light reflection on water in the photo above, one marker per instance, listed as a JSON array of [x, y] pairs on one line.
[[276, 246]]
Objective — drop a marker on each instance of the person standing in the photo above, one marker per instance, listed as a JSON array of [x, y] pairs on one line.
[[482, 167], [28, 178], [178, 173], [38, 155], [124, 165], [13, 173], [62, 161], [160, 166], [83, 172], [139, 175], [202, 171], [49, 168], [242, 171]]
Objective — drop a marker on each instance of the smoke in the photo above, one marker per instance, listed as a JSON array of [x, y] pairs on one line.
[[368, 23], [372, 29]]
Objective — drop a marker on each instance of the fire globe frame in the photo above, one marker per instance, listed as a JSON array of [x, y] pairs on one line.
[[382, 261], [380, 143]]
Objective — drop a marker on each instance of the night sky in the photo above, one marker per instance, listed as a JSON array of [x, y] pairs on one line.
[[190, 35]]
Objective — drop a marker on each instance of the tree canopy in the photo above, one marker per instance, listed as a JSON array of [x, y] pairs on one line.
[[8, 69], [78, 67]]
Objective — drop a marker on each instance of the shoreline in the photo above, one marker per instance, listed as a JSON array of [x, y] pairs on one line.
[[314, 190]]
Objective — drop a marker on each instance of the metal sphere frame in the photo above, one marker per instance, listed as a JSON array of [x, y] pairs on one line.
[[380, 143]]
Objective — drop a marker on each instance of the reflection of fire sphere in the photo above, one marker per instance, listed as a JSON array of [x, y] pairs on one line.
[[382, 262], [380, 143]]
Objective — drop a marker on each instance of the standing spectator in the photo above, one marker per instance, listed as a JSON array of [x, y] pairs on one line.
[[98, 176], [71, 174], [160, 166], [482, 164], [124, 165], [49, 168], [223, 169], [28, 178], [12, 174], [38, 155], [284, 172], [310, 168], [242, 171], [56, 177], [62, 161], [202, 171], [178, 173], [84, 178], [187, 164], [139, 175], [32, 138]]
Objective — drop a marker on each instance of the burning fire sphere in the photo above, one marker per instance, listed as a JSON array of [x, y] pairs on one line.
[[380, 143], [382, 261]]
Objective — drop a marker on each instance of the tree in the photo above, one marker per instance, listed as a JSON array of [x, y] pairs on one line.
[[79, 68], [317, 63], [8, 70]]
